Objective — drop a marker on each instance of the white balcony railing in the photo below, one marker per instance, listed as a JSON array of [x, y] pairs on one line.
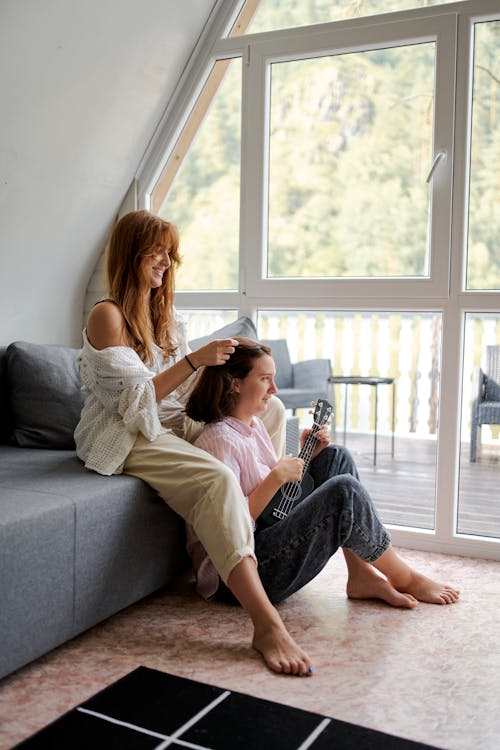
[[405, 346]]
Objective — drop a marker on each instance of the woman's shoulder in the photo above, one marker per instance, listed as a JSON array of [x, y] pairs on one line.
[[106, 325], [215, 428], [214, 431]]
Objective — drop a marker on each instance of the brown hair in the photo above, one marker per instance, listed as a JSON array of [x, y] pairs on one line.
[[213, 398], [136, 236]]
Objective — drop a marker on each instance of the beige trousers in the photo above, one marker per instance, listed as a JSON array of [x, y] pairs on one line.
[[201, 489]]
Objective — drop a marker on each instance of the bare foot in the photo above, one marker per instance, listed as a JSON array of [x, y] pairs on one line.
[[426, 590], [280, 652], [365, 583]]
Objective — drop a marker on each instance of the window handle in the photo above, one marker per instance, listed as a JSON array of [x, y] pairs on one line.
[[440, 155]]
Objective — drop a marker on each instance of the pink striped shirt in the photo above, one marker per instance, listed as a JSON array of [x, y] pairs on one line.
[[245, 449]]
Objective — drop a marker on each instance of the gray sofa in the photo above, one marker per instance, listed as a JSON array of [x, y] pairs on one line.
[[75, 547]]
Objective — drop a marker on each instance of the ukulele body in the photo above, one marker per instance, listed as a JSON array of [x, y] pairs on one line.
[[284, 501]]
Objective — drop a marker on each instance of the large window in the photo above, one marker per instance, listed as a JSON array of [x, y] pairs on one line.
[[483, 268], [334, 170], [350, 147], [202, 322], [478, 507], [351, 136], [280, 14], [400, 346], [200, 190]]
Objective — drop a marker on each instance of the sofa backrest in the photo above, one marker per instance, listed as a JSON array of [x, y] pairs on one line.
[[40, 389], [5, 412], [242, 327]]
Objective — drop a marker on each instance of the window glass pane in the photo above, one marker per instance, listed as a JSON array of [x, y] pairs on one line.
[[478, 507], [350, 148], [282, 14], [205, 195], [204, 322], [483, 267], [402, 347]]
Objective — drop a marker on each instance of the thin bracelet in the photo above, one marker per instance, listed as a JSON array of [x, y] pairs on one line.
[[190, 363]]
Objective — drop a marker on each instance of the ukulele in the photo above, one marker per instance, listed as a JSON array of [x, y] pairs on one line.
[[291, 493]]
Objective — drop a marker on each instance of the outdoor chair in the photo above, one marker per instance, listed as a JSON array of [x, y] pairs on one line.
[[301, 383], [486, 405]]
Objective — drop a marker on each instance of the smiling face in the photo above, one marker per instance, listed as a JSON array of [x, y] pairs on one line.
[[255, 390], [156, 265]]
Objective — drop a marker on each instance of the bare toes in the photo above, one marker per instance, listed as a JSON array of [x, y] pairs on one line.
[[281, 653], [449, 596], [426, 590], [412, 602]]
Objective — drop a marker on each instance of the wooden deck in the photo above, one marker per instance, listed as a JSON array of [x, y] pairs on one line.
[[403, 487]]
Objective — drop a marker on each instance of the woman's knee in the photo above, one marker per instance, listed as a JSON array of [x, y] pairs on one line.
[[345, 460], [221, 483], [333, 461], [227, 478], [344, 491]]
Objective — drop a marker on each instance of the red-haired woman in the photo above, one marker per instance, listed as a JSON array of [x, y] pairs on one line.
[[138, 371]]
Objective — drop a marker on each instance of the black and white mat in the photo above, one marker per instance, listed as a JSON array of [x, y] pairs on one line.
[[151, 710]]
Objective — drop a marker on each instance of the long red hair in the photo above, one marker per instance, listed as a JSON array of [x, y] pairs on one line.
[[148, 313]]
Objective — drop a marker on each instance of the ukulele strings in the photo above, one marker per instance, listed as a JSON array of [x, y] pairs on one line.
[[291, 491]]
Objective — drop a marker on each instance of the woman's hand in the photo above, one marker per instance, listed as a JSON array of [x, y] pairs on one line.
[[288, 469], [214, 353], [321, 436]]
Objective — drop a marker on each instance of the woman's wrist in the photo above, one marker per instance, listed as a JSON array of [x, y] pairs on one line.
[[189, 360], [275, 478]]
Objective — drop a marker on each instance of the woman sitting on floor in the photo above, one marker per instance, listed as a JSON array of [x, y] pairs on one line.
[[339, 512]]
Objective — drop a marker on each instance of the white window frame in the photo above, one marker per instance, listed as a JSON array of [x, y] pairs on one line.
[[444, 291], [442, 31]]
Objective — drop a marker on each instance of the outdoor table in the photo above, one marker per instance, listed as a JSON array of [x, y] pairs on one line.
[[374, 382]]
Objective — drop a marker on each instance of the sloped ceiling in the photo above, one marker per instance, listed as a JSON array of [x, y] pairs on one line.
[[82, 86]]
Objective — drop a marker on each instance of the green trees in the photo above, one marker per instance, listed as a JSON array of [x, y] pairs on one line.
[[351, 143], [483, 270], [204, 199]]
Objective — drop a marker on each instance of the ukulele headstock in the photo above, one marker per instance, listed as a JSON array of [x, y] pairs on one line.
[[323, 411]]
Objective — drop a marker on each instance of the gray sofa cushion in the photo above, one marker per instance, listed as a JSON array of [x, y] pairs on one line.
[[45, 394], [241, 327], [5, 415], [75, 547], [37, 530]]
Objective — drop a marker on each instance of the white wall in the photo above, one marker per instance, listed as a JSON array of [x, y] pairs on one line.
[[82, 88]]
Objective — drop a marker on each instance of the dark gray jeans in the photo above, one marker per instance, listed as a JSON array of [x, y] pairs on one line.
[[338, 513]]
